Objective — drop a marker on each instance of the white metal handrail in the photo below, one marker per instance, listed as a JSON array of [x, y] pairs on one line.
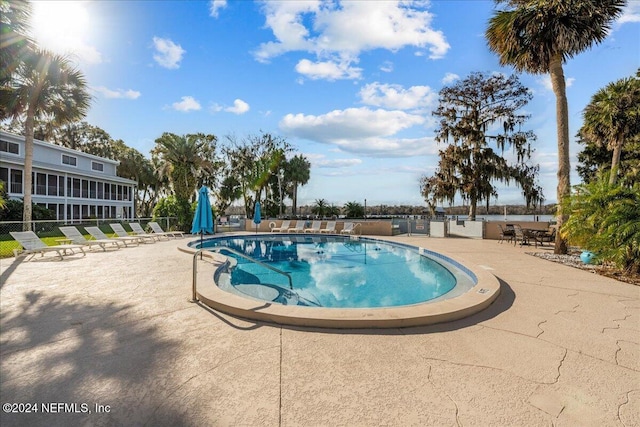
[[240, 254]]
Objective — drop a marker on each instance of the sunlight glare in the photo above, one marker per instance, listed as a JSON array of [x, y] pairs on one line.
[[63, 27]]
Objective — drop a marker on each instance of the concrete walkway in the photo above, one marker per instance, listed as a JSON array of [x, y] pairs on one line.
[[559, 347]]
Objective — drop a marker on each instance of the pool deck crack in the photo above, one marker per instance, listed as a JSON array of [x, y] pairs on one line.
[[626, 402], [457, 409]]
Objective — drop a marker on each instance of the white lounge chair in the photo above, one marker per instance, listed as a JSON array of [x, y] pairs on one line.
[[283, 227], [330, 228], [137, 230], [32, 245], [156, 229], [97, 234], [73, 234], [299, 228], [349, 228], [121, 232], [315, 227]]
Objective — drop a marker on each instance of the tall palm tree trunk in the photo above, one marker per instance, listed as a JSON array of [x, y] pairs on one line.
[[564, 167], [28, 168], [615, 161]]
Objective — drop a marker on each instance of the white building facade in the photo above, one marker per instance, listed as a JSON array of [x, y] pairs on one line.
[[74, 185]]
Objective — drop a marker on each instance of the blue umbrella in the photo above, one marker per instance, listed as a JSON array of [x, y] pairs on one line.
[[256, 216], [203, 219]]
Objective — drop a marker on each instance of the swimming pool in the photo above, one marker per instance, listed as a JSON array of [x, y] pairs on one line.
[[259, 294], [333, 271]]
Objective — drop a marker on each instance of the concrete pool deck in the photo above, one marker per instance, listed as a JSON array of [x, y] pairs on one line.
[[559, 346]]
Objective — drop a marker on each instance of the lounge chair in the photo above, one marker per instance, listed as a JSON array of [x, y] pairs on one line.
[[97, 234], [156, 229], [315, 227], [76, 237], [349, 228], [283, 227], [330, 228], [137, 230], [299, 228], [32, 245], [121, 232]]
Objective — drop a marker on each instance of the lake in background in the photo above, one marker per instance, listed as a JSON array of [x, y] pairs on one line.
[[531, 217]]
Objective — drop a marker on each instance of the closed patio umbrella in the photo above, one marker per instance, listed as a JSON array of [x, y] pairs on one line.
[[256, 216], [203, 219]]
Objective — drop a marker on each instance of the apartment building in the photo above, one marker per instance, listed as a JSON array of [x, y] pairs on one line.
[[73, 184]]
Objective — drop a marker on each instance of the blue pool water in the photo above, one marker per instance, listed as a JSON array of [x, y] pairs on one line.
[[332, 271]]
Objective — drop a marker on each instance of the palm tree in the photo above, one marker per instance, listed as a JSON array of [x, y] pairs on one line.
[[14, 44], [353, 210], [320, 207], [296, 172], [613, 116], [185, 160], [538, 37], [44, 87]]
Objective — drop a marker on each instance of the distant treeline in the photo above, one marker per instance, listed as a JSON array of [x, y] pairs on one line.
[[423, 210]]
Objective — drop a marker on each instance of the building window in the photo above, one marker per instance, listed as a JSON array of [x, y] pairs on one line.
[[97, 166], [9, 147], [69, 160], [15, 184], [52, 185], [76, 187], [41, 184], [92, 189], [4, 176]]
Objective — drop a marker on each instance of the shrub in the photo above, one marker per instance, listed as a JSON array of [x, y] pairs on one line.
[[605, 219]]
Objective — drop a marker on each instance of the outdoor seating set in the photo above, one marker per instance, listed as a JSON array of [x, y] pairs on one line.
[[515, 233], [75, 241], [299, 227]]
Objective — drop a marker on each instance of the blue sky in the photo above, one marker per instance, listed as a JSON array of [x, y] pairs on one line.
[[350, 84]]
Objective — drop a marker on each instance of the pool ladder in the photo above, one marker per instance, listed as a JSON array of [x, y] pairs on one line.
[[233, 251]]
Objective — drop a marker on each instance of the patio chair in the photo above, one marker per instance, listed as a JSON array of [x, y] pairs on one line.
[[156, 229], [283, 227], [349, 228], [32, 245], [299, 228], [97, 234], [330, 228], [506, 233], [121, 232], [520, 234], [545, 236], [74, 235], [315, 227], [137, 230]]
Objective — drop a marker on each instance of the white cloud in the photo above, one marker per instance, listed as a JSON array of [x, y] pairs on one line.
[[118, 93], [343, 30], [545, 81], [362, 131], [328, 70], [631, 13], [387, 67], [216, 5], [239, 107], [397, 97], [320, 161], [449, 78], [187, 104], [168, 54]]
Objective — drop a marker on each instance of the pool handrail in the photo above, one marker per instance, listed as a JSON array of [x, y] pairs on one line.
[[240, 254]]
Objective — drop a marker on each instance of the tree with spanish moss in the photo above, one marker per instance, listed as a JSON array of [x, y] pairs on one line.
[[479, 118], [537, 37]]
